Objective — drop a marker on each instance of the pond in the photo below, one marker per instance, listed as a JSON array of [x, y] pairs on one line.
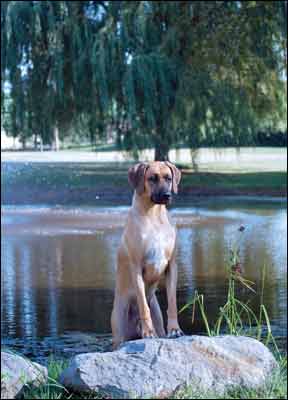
[[58, 269]]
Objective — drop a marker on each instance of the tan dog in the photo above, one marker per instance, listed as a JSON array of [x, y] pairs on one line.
[[147, 251]]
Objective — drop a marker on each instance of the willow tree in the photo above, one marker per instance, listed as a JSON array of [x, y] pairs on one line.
[[51, 60], [160, 72], [202, 69]]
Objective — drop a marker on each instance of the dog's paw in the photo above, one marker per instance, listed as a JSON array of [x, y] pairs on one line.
[[175, 333], [147, 329], [149, 335]]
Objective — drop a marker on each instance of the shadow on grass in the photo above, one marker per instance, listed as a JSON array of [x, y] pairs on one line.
[[83, 183]]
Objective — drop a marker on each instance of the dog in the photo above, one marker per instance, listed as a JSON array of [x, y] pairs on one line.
[[146, 253]]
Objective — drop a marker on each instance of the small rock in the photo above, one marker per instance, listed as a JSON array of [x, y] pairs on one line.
[[16, 372], [159, 367]]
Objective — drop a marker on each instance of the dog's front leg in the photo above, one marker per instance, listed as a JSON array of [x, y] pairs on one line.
[[173, 329], [147, 329]]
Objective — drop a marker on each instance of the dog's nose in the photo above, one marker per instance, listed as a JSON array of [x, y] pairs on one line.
[[166, 196]]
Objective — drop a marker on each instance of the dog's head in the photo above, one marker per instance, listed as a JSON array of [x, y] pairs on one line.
[[156, 180]]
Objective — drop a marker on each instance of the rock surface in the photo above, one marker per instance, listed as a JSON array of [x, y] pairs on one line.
[[16, 372], [159, 367]]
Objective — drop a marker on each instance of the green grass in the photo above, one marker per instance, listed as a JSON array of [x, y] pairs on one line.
[[53, 389], [236, 181], [63, 183], [90, 147]]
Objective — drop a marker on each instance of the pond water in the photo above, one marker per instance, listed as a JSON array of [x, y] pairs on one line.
[[58, 269]]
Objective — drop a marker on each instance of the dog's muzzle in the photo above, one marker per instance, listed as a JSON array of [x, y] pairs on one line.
[[161, 198]]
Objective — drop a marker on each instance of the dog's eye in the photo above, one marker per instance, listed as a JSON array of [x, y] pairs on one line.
[[168, 178], [153, 178]]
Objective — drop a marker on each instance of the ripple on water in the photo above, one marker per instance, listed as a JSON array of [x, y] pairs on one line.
[[63, 346]]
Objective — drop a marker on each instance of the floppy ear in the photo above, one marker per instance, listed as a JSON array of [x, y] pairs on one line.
[[176, 176], [136, 177]]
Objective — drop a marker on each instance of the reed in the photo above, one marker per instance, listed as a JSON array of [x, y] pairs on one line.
[[236, 317]]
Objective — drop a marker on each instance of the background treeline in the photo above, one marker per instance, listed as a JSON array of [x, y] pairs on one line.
[[145, 73]]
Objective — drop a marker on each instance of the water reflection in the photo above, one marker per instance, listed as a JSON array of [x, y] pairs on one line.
[[63, 282]]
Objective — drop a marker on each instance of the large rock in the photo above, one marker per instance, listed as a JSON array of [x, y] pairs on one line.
[[158, 367], [16, 372]]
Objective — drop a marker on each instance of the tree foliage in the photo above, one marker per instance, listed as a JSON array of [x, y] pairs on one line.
[[157, 73]]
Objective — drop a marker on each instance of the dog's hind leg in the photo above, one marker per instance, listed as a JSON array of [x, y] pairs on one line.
[[119, 319]]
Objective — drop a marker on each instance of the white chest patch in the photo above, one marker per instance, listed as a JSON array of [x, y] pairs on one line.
[[156, 259]]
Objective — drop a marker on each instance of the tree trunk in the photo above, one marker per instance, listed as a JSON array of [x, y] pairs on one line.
[[23, 143], [35, 142], [161, 150], [56, 139]]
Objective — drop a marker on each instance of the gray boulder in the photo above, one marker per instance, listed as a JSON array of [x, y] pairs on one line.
[[16, 372], [159, 367]]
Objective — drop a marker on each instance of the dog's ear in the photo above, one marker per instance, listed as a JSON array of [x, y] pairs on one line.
[[176, 176], [136, 176]]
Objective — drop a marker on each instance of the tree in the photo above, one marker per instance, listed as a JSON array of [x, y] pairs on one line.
[[202, 69], [161, 73], [50, 60]]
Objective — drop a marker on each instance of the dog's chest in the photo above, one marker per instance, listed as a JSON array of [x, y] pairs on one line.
[[158, 253]]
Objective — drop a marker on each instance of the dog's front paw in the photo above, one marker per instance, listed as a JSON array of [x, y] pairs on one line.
[[175, 333], [147, 330], [173, 328], [149, 335]]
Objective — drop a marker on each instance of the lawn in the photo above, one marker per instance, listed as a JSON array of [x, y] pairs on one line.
[[82, 183]]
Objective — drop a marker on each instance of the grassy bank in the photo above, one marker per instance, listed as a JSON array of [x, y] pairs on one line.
[[253, 183], [106, 184]]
